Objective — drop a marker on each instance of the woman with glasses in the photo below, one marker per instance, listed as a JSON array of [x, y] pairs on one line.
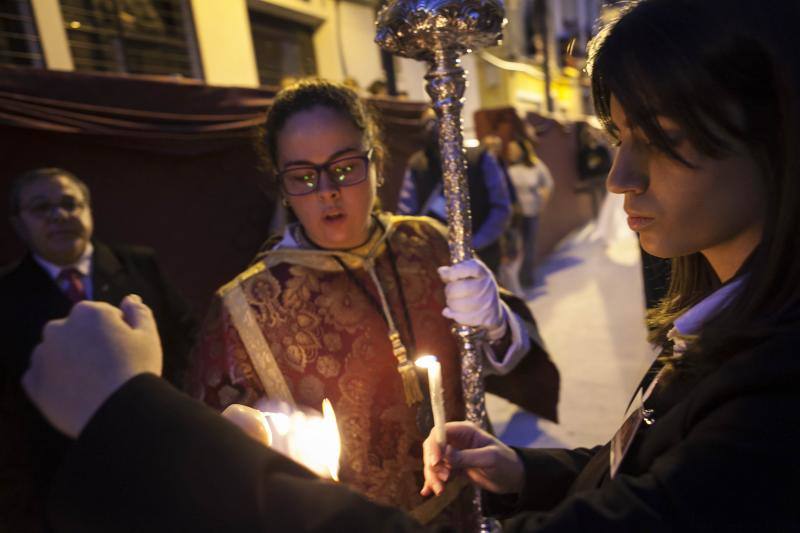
[[341, 306]]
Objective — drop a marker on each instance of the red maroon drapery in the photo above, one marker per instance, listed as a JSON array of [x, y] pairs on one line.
[[170, 162]]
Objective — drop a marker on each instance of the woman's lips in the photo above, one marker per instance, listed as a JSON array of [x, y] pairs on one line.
[[333, 217], [638, 223]]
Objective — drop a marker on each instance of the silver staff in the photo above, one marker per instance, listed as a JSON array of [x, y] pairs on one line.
[[439, 32]]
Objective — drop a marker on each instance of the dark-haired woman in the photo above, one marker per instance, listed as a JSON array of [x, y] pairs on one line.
[[341, 306], [703, 98], [533, 184]]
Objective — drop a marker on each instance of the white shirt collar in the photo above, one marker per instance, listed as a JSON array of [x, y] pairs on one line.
[[692, 320], [288, 240], [82, 265]]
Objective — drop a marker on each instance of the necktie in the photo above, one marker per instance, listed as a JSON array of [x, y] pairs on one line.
[[72, 282]]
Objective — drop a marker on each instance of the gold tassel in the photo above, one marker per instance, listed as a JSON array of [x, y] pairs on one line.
[[407, 370]]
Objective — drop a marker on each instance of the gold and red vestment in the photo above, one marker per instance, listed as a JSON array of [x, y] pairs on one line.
[[297, 326]]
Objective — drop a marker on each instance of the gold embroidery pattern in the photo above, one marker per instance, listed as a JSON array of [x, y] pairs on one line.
[[328, 341]]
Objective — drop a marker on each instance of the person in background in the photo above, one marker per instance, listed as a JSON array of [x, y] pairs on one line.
[[493, 145], [533, 184], [422, 193], [51, 213], [511, 241]]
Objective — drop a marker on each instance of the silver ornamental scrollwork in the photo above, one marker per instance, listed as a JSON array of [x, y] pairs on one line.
[[417, 29], [439, 32]]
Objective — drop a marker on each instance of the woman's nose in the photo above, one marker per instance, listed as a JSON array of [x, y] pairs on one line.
[[628, 173], [327, 185]]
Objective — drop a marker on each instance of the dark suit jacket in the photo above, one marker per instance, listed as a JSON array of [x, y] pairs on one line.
[[721, 456], [29, 449]]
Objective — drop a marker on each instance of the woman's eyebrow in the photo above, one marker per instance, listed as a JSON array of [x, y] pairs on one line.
[[330, 157]]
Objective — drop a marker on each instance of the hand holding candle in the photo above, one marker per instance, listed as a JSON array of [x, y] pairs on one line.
[[431, 363], [308, 438]]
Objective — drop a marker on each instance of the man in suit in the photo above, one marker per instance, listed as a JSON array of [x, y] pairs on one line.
[[51, 213]]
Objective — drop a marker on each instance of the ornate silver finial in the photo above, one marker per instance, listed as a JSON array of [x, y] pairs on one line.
[[416, 29]]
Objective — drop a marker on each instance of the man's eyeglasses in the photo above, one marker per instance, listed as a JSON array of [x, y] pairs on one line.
[[43, 209], [343, 172]]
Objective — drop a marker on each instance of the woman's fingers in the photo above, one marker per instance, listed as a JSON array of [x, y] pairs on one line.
[[468, 447], [467, 288], [431, 457], [249, 420], [471, 268], [466, 435], [435, 478], [478, 458]]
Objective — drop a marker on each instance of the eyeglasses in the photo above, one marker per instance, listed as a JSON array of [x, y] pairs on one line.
[[42, 209], [344, 172]]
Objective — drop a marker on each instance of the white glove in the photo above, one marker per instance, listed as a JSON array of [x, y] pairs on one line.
[[472, 297]]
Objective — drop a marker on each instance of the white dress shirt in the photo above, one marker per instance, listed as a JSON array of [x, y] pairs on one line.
[[82, 265]]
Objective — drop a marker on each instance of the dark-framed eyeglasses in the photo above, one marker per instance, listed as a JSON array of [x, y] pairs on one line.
[[342, 172], [43, 209]]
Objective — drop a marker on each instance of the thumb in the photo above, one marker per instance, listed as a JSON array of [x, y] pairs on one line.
[[444, 273], [136, 314]]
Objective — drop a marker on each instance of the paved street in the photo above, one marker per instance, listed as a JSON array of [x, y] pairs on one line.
[[590, 310]]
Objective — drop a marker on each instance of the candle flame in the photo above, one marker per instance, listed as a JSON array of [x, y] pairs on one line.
[[282, 423], [306, 437], [332, 430], [426, 361]]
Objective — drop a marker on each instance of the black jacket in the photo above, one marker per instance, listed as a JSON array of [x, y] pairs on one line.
[[30, 450], [721, 456]]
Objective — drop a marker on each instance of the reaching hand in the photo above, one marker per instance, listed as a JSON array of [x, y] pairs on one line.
[[84, 358], [489, 463], [249, 420], [472, 297]]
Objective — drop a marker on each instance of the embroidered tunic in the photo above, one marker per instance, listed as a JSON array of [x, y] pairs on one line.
[[312, 333]]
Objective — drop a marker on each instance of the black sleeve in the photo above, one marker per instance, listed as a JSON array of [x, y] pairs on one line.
[[736, 469], [153, 459], [549, 473], [534, 383]]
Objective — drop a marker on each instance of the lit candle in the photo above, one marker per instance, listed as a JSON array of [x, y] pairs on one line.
[[331, 431], [431, 363], [308, 438]]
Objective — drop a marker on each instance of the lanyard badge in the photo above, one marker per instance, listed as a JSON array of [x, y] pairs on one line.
[[638, 413]]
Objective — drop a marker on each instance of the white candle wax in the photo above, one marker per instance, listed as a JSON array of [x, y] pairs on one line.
[[431, 363]]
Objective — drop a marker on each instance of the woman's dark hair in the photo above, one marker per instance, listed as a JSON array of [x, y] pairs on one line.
[[528, 153], [720, 69], [310, 93]]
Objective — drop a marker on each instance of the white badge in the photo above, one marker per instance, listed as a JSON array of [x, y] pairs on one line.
[[621, 442]]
